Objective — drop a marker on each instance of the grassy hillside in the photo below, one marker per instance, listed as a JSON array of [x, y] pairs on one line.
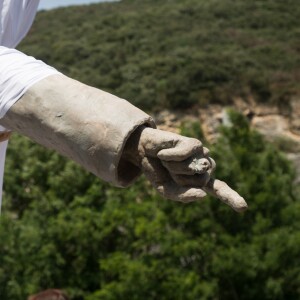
[[176, 53], [62, 227]]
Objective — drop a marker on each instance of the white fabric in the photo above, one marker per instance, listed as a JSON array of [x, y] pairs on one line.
[[3, 146], [15, 20], [18, 72]]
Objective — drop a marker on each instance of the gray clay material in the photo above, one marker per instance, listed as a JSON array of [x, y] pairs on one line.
[[82, 123], [92, 128]]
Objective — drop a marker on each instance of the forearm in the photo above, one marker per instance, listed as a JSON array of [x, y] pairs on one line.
[[83, 123], [105, 134]]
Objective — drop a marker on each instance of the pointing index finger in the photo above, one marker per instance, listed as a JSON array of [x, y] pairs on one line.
[[222, 191]]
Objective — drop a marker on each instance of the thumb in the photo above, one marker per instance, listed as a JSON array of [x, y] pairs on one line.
[[184, 148]]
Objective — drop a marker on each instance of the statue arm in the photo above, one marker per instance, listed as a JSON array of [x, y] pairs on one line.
[[105, 134], [82, 123]]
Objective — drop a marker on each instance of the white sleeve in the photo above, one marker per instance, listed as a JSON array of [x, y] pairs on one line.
[[16, 18], [18, 72]]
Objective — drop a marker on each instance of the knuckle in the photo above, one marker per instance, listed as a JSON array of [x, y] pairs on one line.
[[192, 142], [196, 143], [205, 151]]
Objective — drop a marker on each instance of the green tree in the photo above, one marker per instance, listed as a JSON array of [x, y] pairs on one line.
[[176, 53], [98, 242]]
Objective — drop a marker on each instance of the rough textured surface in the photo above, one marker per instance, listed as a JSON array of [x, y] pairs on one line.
[[178, 167], [83, 123], [227, 195], [110, 138], [163, 157], [277, 124]]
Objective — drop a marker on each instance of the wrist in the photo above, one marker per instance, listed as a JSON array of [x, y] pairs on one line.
[[133, 151]]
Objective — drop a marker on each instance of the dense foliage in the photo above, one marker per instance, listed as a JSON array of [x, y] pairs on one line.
[[64, 228], [176, 53]]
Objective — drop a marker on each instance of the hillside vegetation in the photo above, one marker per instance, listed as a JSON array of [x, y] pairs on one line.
[[176, 53], [65, 228], [61, 227]]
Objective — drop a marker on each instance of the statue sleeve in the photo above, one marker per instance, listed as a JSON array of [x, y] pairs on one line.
[[82, 123], [18, 72]]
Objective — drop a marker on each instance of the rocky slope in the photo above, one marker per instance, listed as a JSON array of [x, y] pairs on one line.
[[280, 125]]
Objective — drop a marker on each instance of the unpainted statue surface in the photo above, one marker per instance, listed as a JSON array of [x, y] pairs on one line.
[[115, 140]]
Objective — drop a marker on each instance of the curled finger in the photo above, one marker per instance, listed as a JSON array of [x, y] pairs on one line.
[[182, 194], [183, 149], [197, 180], [165, 185], [190, 166]]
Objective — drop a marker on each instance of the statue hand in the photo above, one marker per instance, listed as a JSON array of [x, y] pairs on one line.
[[178, 167]]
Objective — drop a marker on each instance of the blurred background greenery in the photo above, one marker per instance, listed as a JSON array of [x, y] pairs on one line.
[[62, 227]]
